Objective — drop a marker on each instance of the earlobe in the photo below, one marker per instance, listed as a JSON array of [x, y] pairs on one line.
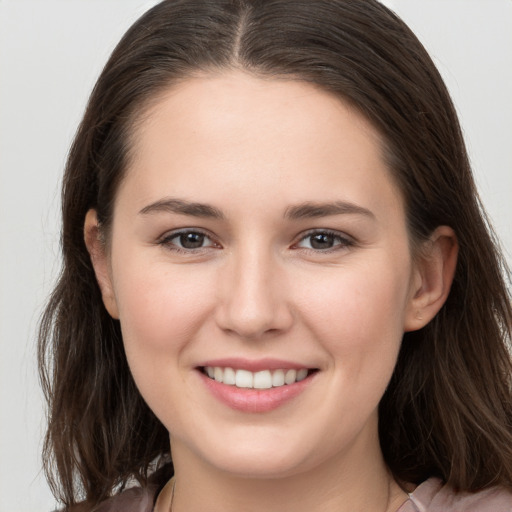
[[434, 272], [99, 258]]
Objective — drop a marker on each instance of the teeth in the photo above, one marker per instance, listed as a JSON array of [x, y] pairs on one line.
[[243, 379], [229, 376], [302, 374], [290, 377], [262, 380], [218, 374], [278, 378], [265, 379]]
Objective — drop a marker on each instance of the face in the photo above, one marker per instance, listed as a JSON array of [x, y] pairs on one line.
[[258, 238]]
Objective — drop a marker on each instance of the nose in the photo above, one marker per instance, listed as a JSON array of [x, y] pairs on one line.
[[253, 299]]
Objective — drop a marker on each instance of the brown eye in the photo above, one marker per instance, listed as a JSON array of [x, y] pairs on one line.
[[187, 241], [324, 241], [191, 240]]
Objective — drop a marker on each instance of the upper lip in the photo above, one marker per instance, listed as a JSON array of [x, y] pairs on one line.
[[253, 365]]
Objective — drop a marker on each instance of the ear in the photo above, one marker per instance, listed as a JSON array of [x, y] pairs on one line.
[[433, 276], [99, 258]]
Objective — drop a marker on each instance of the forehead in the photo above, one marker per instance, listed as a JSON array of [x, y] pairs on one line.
[[286, 136], [239, 101]]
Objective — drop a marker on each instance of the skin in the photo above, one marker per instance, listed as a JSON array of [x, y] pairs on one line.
[[254, 149]]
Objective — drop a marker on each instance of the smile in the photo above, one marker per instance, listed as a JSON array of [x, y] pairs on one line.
[[256, 386], [264, 379]]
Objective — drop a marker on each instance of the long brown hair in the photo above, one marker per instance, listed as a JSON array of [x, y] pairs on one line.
[[448, 408]]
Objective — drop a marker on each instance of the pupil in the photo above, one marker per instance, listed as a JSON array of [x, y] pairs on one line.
[[192, 240], [322, 241]]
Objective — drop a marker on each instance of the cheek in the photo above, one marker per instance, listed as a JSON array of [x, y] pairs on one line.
[[160, 310], [358, 312]]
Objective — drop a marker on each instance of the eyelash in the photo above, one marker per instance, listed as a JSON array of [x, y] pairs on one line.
[[340, 241], [167, 241]]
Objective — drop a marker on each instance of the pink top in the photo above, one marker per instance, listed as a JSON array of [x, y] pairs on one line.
[[433, 496], [430, 496]]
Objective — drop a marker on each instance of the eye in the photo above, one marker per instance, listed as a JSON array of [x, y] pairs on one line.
[[324, 241], [188, 240]]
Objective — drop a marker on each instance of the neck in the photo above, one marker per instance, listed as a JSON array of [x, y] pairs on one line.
[[344, 483]]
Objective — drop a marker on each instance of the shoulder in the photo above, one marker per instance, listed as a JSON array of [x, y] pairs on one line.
[[135, 499], [433, 496]]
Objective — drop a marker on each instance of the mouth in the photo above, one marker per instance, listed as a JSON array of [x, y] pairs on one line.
[[263, 379], [256, 386]]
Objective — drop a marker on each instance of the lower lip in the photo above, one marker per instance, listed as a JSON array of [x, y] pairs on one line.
[[255, 400]]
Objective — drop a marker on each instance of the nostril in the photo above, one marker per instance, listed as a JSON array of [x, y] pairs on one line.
[[254, 324], [251, 304]]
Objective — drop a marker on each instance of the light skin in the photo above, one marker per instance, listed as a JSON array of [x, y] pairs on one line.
[[258, 220]]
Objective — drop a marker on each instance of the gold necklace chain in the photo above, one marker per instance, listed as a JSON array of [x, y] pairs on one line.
[[172, 494], [174, 490]]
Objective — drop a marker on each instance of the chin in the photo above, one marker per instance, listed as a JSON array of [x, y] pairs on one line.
[[262, 460], [261, 467]]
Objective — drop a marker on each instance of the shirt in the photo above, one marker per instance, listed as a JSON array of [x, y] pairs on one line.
[[430, 496]]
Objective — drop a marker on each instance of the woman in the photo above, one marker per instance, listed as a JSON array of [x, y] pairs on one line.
[[276, 274]]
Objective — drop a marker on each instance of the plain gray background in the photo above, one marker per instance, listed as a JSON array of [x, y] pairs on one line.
[[51, 51]]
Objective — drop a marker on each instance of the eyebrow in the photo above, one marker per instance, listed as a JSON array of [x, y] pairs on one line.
[[305, 210], [182, 207], [310, 210]]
